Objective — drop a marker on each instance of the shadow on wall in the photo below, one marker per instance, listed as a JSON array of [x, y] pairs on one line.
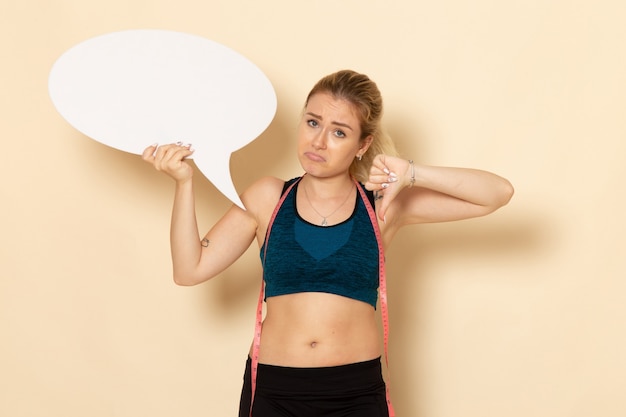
[[415, 250]]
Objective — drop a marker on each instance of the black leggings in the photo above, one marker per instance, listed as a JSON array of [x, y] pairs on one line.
[[354, 390]]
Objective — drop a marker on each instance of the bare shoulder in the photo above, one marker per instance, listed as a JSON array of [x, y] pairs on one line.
[[264, 191], [261, 198]]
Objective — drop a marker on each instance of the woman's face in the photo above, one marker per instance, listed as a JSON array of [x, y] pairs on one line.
[[329, 136]]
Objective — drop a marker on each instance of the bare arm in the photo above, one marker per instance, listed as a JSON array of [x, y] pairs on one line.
[[196, 260], [427, 194]]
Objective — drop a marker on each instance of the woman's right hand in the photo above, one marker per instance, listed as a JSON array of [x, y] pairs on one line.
[[170, 159]]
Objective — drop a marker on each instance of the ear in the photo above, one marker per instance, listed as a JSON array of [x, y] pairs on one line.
[[365, 144]]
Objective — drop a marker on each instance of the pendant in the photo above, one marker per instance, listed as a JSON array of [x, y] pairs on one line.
[[324, 222]]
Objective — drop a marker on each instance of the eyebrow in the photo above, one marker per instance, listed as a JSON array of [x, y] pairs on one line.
[[333, 122]]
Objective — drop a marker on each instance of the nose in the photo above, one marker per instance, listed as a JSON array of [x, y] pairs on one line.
[[319, 140]]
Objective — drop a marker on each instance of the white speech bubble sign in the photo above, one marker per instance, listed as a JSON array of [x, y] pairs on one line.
[[132, 88]]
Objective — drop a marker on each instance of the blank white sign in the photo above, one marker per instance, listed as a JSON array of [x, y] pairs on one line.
[[133, 88]]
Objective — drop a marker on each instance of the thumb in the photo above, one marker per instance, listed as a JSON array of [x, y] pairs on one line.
[[389, 194], [382, 210]]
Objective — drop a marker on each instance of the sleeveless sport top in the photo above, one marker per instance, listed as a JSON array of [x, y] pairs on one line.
[[280, 257], [340, 259]]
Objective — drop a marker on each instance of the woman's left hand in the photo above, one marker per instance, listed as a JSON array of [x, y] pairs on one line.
[[388, 176]]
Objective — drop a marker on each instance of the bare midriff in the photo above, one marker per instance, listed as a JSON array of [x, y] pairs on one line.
[[318, 329]]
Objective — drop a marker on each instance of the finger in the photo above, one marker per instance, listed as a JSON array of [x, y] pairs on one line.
[[182, 154], [178, 153], [173, 158], [388, 197], [378, 178], [379, 163], [167, 152], [383, 174], [382, 210], [148, 153], [370, 186], [161, 151], [381, 180]]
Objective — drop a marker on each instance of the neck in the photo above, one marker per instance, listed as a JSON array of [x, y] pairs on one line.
[[329, 187], [324, 203]]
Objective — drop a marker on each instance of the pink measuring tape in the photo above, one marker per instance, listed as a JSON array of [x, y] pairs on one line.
[[382, 290]]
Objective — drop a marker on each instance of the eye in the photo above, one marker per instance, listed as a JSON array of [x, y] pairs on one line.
[[312, 123], [340, 133]]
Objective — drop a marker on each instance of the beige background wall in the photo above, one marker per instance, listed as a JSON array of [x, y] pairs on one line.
[[517, 314]]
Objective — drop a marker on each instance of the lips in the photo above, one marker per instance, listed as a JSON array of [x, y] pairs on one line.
[[314, 157]]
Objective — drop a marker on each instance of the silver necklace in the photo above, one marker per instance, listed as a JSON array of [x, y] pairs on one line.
[[324, 221]]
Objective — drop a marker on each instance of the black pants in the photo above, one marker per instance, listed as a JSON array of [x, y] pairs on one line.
[[354, 390]]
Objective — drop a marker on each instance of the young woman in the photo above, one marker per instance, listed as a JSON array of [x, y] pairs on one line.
[[321, 247]]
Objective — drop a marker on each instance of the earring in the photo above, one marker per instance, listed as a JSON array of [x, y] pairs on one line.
[[359, 157]]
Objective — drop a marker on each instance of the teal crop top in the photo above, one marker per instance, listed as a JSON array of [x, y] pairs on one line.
[[340, 259]]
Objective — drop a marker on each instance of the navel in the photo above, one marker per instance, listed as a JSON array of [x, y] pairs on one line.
[[313, 344]]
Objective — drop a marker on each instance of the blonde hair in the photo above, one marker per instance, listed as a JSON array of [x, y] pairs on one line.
[[364, 95]]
